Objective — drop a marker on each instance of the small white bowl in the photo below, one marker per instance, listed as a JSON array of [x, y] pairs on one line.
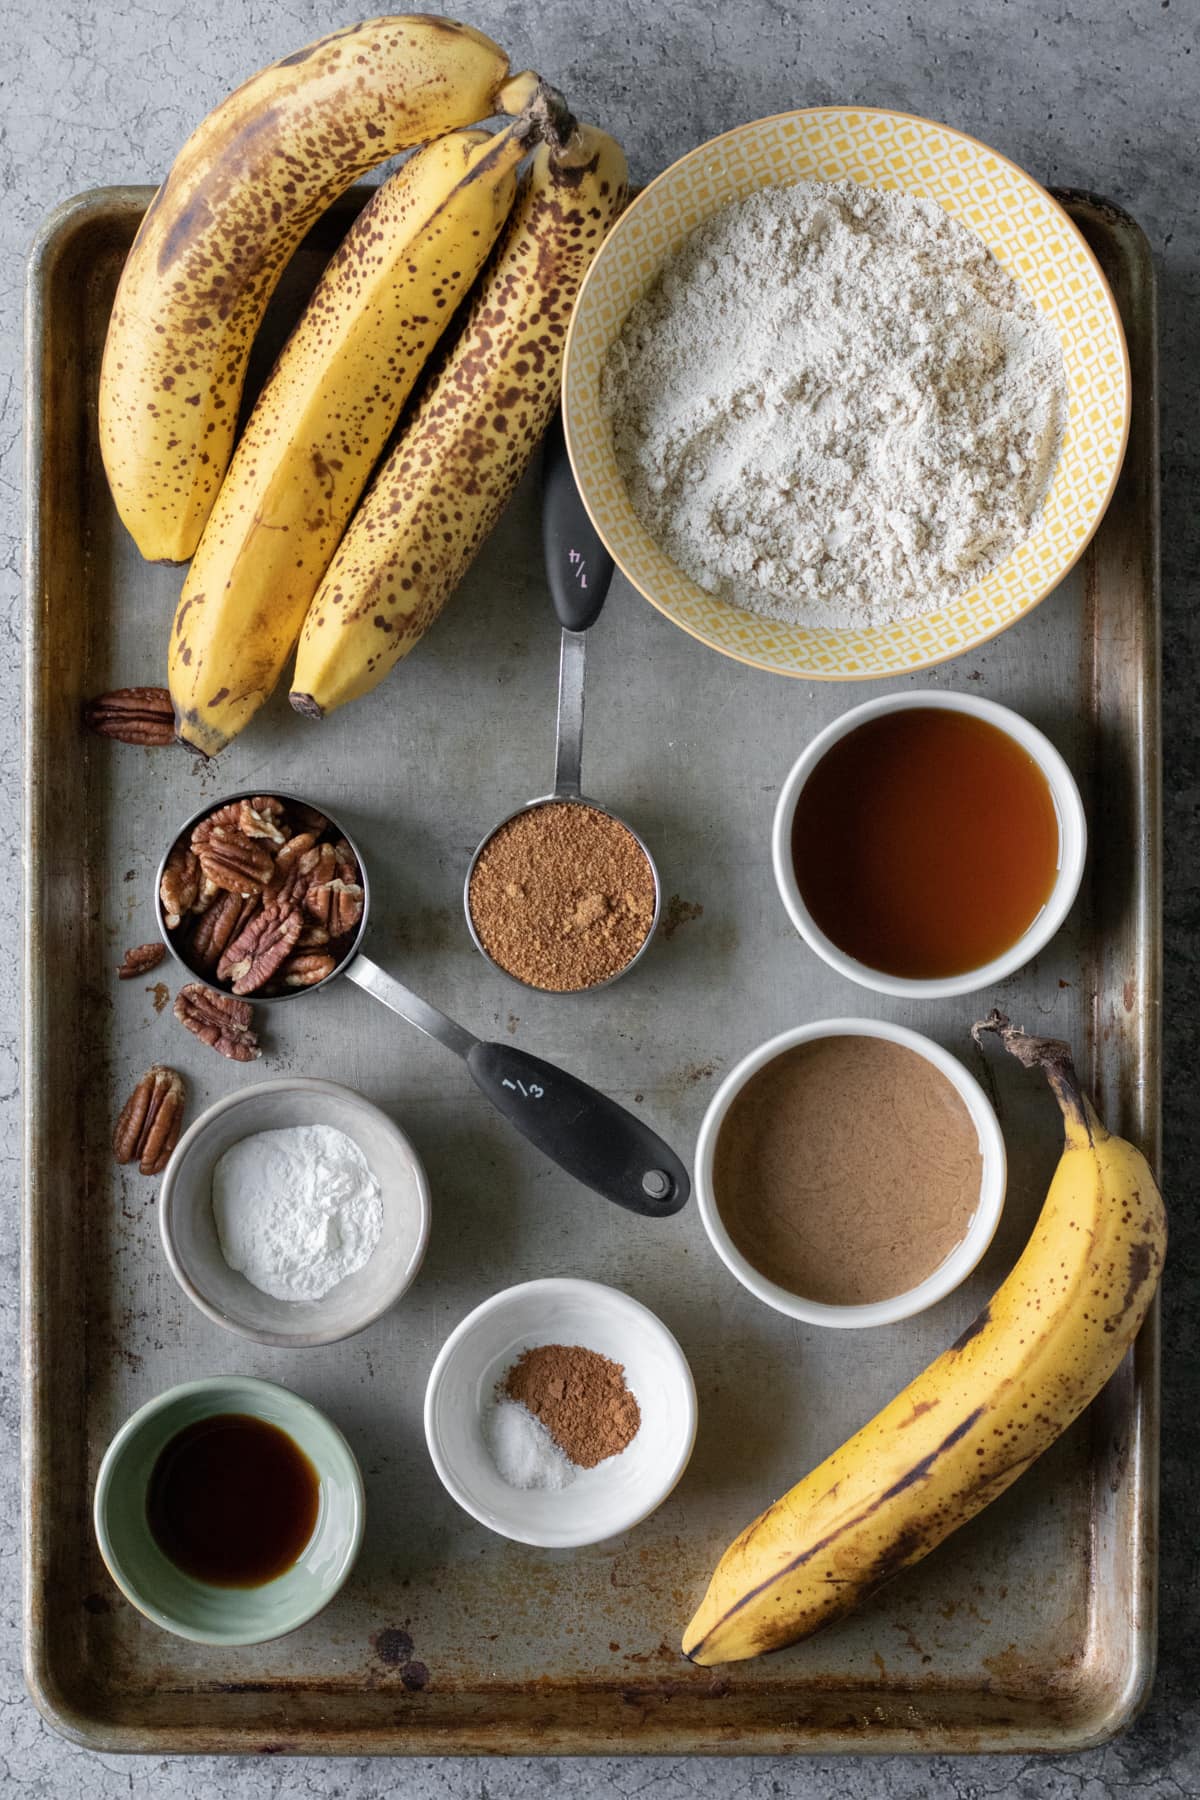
[[189, 1231], [1072, 846], [601, 1502], [949, 1273]]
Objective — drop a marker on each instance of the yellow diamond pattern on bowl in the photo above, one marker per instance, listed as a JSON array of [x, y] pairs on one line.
[[1028, 233]]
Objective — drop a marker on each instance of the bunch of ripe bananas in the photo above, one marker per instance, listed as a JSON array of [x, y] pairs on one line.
[[278, 550]]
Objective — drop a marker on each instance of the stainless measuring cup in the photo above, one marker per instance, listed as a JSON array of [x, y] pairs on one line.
[[579, 572], [582, 1130]]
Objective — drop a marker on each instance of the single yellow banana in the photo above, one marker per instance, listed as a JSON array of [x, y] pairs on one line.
[[323, 419], [966, 1428], [474, 430], [247, 185]]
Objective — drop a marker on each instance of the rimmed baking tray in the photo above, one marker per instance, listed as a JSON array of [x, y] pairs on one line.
[[1034, 1627]]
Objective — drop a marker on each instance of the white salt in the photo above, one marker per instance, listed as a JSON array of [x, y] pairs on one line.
[[525, 1454]]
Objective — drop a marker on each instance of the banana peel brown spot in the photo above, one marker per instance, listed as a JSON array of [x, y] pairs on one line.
[[920, 1408], [1144, 1259], [978, 1324], [918, 1472], [904, 1548]]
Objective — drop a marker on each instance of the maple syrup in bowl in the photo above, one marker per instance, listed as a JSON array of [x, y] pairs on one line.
[[929, 844]]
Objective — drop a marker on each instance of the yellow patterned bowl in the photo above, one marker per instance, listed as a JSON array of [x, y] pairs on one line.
[[1029, 234]]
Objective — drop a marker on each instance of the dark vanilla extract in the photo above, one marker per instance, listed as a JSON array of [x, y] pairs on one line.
[[925, 843], [232, 1500]]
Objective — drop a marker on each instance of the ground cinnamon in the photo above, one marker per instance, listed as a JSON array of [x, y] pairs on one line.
[[562, 896], [847, 1169], [580, 1397]]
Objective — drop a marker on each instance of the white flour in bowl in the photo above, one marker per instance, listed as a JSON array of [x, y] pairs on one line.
[[834, 407]]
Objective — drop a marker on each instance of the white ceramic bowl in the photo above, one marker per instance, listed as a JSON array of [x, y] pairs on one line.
[[601, 1502], [1072, 846], [189, 1232], [961, 1260]]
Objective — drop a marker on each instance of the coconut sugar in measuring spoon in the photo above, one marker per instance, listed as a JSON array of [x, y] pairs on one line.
[[578, 572], [582, 1130]]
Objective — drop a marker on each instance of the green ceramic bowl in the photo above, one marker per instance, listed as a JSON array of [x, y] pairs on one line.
[[194, 1609]]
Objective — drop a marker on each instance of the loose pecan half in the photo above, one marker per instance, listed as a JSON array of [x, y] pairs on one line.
[[180, 885], [148, 1128], [306, 969], [217, 925], [219, 1021], [233, 861], [140, 960], [259, 949], [140, 715]]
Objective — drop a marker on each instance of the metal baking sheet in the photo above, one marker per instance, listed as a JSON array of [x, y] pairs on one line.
[[1031, 1629]]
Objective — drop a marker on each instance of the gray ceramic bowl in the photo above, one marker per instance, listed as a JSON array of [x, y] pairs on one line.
[[195, 1609], [189, 1232]]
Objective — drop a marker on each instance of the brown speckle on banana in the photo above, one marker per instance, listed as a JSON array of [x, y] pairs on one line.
[[247, 185], [477, 424], [323, 419]]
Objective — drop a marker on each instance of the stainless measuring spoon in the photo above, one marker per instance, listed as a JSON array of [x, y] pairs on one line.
[[579, 572], [582, 1130]]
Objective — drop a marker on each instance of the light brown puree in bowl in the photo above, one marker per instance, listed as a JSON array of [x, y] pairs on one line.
[[847, 1169]]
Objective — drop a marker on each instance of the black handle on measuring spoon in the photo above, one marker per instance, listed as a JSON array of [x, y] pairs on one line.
[[582, 1130], [578, 567]]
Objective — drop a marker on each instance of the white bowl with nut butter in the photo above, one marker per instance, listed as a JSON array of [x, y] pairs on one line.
[[192, 1233], [850, 1172]]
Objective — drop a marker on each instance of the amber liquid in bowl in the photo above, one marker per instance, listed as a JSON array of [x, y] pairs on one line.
[[925, 843]]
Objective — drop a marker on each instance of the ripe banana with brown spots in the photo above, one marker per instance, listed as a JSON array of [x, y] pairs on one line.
[[247, 185], [324, 417], [965, 1429], [471, 436]]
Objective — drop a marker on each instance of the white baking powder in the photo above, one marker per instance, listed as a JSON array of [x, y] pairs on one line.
[[525, 1454], [834, 407], [296, 1210]]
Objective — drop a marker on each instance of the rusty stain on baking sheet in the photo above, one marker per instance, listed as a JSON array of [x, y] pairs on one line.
[[394, 1648], [487, 1615]]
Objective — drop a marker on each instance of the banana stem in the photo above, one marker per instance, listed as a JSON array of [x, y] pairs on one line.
[[543, 105], [1051, 1055]]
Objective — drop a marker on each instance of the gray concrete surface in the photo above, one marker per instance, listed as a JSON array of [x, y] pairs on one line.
[[1101, 95]]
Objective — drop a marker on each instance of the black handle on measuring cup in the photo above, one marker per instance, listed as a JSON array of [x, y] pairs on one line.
[[582, 1130], [578, 567]]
